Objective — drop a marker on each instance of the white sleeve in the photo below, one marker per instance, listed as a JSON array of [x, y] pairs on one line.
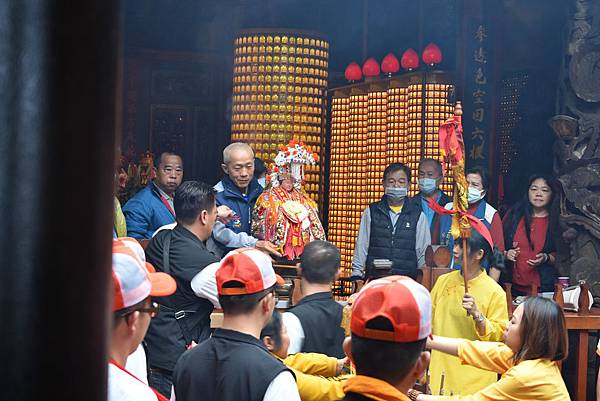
[[423, 239], [283, 387], [204, 284], [295, 332], [361, 248]]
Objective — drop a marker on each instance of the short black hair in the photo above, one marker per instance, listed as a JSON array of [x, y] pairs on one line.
[[273, 329], [393, 167], [259, 167], [435, 162], [320, 261], [241, 304], [191, 198], [475, 242], [163, 154], [385, 360], [483, 173]]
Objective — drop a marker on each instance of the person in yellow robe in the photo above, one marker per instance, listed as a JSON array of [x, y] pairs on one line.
[[317, 375], [535, 340], [480, 314]]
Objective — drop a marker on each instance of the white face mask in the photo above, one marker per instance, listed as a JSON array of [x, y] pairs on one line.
[[474, 195], [262, 181], [396, 193], [427, 185]]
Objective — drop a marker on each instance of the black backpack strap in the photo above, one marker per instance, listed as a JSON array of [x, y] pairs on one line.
[[180, 313]]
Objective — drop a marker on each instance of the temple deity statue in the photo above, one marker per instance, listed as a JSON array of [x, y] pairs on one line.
[[284, 213]]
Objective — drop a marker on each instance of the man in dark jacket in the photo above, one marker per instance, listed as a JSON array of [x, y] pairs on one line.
[[152, 207], [184, 318], [393, 233], [431, 175], [239, 190], [234, 365], [315, 323]]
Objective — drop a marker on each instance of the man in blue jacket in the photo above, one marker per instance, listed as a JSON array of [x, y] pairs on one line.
[[239, 190], [152, 207]]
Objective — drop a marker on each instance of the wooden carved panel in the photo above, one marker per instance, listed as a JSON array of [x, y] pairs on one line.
[[169, 127], [185, 86]]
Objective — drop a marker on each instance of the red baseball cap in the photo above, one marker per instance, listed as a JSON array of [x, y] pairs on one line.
[[405, 303], [134, 245], [250, 269], [132, 281]]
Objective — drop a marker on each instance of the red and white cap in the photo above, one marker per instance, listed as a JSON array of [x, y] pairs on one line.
[[135, 246], [250, 269], [132, 281], [405, 303]]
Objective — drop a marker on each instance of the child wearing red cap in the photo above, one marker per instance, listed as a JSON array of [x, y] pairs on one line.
[[391, 320]]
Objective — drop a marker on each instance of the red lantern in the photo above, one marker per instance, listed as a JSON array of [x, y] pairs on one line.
[[371, 68], [390, 64], [353, 72], [432, 54], [410, 60]]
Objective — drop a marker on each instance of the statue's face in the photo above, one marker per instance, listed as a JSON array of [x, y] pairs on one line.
[[287, 184]]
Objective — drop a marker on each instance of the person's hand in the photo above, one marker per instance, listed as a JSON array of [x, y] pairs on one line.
[[340, 365], [538, 260], [470, 305], [512, 254], [267, 247], [224, 214]]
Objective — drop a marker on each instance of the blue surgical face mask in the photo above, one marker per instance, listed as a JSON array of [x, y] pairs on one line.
[[474, 195], [396, 193], [262, 181], [427, 185]]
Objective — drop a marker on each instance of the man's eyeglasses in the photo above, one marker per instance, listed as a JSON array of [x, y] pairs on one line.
[[152, 310]]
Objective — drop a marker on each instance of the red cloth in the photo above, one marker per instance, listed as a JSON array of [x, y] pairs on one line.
[[523, 274], [495, 229]]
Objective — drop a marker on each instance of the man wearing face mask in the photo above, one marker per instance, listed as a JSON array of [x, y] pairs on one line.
[[431, 174], [478, 181], [393, 229]]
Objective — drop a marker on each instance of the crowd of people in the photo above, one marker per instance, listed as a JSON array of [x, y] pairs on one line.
[[202, 253]]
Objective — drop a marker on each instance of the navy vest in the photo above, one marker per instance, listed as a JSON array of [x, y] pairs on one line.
[[321, 319], [229, 366], [394, 243]]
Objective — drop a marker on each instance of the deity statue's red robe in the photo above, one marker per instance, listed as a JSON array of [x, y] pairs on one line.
[[288, 218]]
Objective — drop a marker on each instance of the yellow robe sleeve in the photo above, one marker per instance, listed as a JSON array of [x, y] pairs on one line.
[[507, 388], [312, 363], [318, 388], [496, 316], [492, 356]]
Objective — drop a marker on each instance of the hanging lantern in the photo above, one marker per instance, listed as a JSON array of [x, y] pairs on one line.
[[410, 60], [390, 64], [353, 72], [432, 54], [371, 68]]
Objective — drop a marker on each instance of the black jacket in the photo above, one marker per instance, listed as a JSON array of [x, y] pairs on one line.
[[321, 319], [397, 243], [168, 337], [229, 366]]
